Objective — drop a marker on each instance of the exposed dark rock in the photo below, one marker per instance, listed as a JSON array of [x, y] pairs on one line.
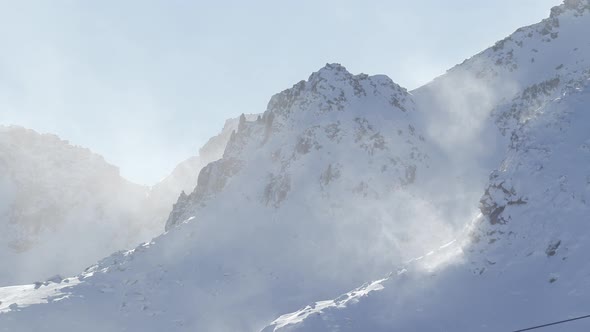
[[552, 248]]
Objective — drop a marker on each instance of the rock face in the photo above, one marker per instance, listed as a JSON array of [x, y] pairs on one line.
[[184, 177]]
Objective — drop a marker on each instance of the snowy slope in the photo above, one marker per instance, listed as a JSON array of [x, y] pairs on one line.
[[506, 83], [523, 261]]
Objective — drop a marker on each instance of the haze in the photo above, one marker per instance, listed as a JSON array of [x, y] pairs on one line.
[[146, 83]]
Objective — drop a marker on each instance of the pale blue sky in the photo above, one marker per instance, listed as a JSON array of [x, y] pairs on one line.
[[145, 83]]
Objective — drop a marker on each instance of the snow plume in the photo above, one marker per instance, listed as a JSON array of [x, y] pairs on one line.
[[56, 197], [64, 208], [457, 109], [6, 195], [456, 112], [77, 200]]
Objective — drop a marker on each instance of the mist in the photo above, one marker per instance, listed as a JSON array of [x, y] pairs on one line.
[[63, 207], [145, 85], [339, 180], [305, 203]]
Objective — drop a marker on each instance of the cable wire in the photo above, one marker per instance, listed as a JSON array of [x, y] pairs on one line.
[[554, 323]]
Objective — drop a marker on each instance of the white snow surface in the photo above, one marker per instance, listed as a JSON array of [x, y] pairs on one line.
[[346, 178]]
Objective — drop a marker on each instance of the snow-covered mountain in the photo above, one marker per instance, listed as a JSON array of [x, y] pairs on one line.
[[63, 207], [346, 178], [522, 262], [317, 187]]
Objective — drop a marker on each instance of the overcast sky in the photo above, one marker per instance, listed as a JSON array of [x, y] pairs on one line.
[[146, 83]]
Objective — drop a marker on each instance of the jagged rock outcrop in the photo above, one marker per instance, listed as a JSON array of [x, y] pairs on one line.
[[326, 120], [184, 177]]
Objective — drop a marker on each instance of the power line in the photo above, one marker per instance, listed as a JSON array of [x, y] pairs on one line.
[[550, 324]]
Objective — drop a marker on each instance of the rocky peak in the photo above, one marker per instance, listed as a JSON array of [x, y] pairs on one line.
[[331, 71], [310, 123], [576, 4], [331, 87]]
